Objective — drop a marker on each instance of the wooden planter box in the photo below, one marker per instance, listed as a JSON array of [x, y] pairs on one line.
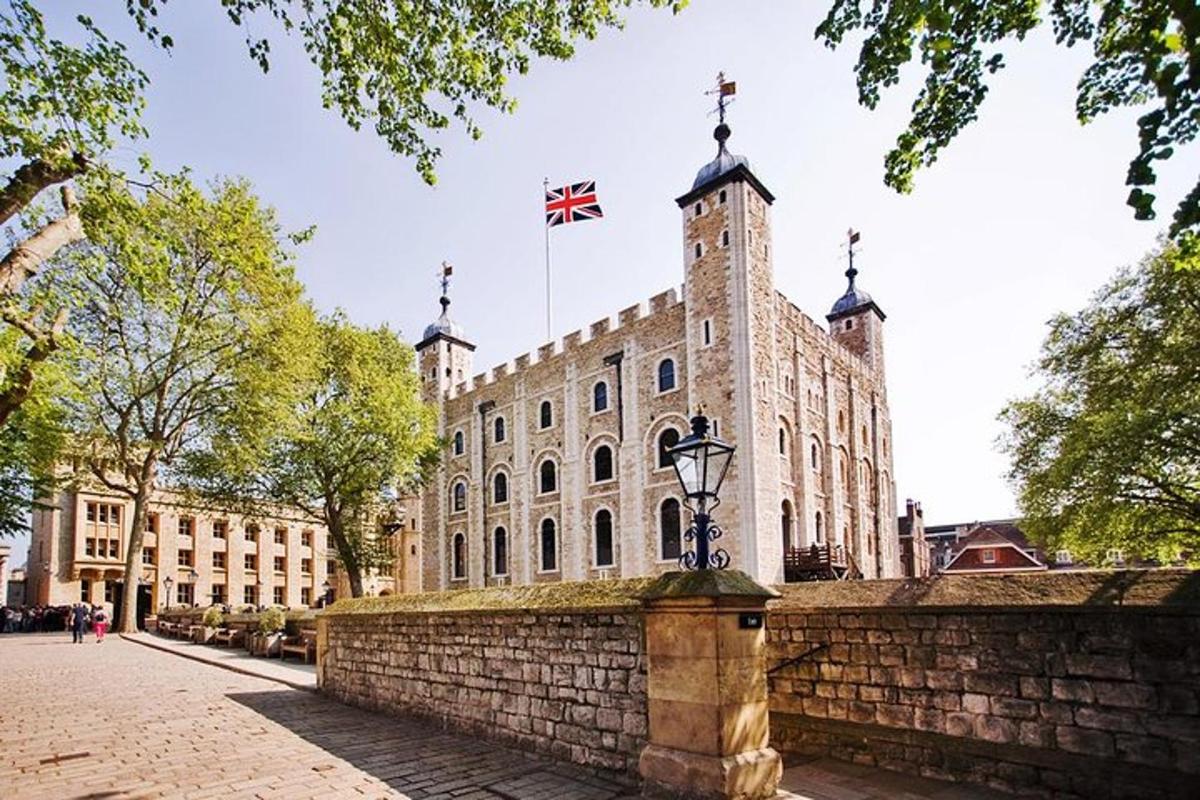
[[265, 644], [202, 634]]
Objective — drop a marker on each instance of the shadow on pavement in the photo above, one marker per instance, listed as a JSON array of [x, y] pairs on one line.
[[421, 760]]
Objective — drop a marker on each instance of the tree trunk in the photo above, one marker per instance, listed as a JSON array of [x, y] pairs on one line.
[[349, 559], [133, 551], [24, 260], [31, 178]]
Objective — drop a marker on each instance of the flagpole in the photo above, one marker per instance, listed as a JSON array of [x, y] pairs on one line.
[[549, 326]]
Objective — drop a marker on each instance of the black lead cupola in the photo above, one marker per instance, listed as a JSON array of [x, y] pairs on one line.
[[726, 167], [855, 300]]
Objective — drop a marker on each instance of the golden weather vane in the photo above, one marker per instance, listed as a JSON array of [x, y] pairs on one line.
[[723, 90]]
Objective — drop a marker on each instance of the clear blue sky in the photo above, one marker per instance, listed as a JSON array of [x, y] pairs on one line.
[[1023, 217]]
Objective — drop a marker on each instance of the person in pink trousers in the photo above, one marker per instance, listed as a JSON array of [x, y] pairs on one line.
[[99, 623]]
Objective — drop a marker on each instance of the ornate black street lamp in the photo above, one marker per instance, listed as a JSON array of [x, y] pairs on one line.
[[701, 462], [168, 583]]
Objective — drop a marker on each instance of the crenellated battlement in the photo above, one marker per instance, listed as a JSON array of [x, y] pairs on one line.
[[571, 343]]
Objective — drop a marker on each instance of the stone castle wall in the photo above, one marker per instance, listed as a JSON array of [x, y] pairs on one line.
[[1065, 686], [570, 683]]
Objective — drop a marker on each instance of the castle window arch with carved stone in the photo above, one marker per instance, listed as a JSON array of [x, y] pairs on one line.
[[548, 546], [460, 445], [666, 375], [547, 476], [546, 414], [458, 496], [668, 438], [500, 487], [500, 551], [602, 464], [670, 530], [458, 557], [603, 550], [499, 432], [600, 397]]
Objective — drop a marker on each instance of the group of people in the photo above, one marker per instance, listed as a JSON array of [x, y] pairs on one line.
[[78, 619]]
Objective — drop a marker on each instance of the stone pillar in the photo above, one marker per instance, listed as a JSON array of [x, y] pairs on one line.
[[707, 688]]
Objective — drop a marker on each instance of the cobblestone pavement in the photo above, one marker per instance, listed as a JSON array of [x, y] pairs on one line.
[[119, 720]]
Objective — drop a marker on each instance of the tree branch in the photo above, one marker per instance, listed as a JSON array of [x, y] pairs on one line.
[[31, 178], [24, 260]]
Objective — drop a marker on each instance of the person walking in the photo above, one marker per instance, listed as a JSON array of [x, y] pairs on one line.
[[79, 615], [99, 623]]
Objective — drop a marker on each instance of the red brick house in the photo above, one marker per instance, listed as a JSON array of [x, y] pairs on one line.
[[994, 547]]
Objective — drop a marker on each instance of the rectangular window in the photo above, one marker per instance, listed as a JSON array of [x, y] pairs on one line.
[[306, 566], [279, 596], [305, 596], [281, 536], [85, 590], [251, 533], [250, 595], [218, 594], [988, 556], [218, 560], [330, 566], [110, 588], [89, 547], [220, 527], [152, 522], [148, 554], [185, 558], [306, 538], [114, 548], [251, 562], [280, 563], [185, 526], [185, 594], [707, 332]]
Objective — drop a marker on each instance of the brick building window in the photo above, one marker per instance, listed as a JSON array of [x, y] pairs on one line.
[[500, 488], [549, 546], [185, 594], [546, 414], [666, 375], [670, 541], [305, 596], [306, 538], [306, 566], [185, 526], [110, 588], [600, 397], [280, 563], [602, 464], [85, 590], [185, 558], [279, 596], [218, 594], [330, 566], [724, 238], [459, 496], [547, 477], [666, 440], [218, 560], [148, 554], [251, 533], [250, 562], [987, 556], [500, 551], [281, 536], [459, 443], [498, 430], [604, 538], [102, 529], [250, 595], [152, 522], [220, 528]]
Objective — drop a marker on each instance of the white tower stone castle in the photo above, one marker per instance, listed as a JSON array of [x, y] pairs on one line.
[[554, 468]]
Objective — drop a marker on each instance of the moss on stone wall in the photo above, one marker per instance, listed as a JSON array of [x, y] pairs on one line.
[[1086, 588], [622, 594]]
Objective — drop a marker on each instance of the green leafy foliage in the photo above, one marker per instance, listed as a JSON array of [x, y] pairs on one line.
[[213, 618], [359, 436], [272, 620], [1145, 54], [409, 68], [1107, 453]]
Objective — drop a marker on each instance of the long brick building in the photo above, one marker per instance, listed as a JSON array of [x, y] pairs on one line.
[[555, 468]]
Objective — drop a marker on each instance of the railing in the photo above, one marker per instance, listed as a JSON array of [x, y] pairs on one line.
[[814, 563]]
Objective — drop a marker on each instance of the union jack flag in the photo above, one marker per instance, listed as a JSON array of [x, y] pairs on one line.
[[573, 203]]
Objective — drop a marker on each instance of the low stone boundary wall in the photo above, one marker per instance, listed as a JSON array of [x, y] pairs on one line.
[[556, 669], [1073, 685]]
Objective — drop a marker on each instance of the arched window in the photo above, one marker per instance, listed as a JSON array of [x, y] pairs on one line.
[[460, 496], [459, 443], [549, 546], [547, 414], [500, 551], [604, 538], [548, 478], [666, 375], [500, 488], [600, 397], [602, 464], [820, 528], [498, 430], [785, 519], [666, 440], [670, 534], [816, 458], [782, 442], [459, 556]]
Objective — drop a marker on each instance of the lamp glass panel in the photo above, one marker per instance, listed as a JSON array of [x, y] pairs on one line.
[[717, 463], [687, 468]]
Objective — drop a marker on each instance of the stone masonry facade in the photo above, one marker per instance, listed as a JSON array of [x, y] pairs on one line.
[[806, 407], [1067, 701], [571, 684]]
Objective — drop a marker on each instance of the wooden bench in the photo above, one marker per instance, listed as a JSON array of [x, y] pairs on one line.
[[230, 637], [304, 644]]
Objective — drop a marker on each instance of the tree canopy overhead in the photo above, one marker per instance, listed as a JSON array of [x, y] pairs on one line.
[[1146, 55], [409, 68], [1107, 453]]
